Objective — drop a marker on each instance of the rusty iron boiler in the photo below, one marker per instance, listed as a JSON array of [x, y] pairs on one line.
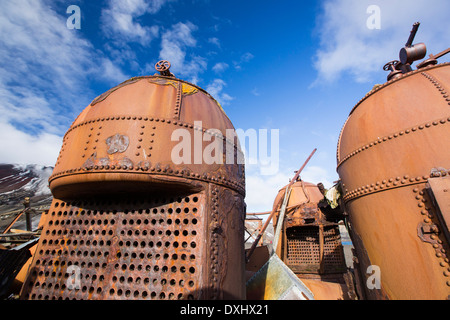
[[310, 241], [126, 221], [392, 144]]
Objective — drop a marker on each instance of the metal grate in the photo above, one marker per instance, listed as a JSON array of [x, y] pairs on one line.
[[303, 248], [143, 249]]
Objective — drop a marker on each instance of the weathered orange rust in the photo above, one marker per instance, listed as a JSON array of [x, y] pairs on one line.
[[310, 243], [130, 221], [387, 149]]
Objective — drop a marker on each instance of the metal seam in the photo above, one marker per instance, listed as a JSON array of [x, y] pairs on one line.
[[177, 111], [156, 119], [214, 254], [398, 134], [155, 170], [338, 151], [386, 184], [438, 86], [434, 240], [384, 85]]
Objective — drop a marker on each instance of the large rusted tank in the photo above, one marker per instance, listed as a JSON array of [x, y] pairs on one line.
[[310, 242], [130, 222], [390, 147]]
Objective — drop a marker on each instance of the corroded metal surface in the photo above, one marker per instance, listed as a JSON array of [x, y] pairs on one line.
[[387, 149], [129, 223], [310, 242], [275, 281], [303, 250], [302, 206], [128, 134]]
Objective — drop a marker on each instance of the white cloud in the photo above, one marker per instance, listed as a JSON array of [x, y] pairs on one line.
[[112, 72], [347, 45], [255, 92], [43, 71], [261, 190], [20, 147], [246, 57], [119, 20], [220, 67], [174, 43], [215, 88], [214, 41]]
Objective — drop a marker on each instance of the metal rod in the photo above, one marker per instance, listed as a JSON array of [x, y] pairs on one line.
[[266, 224], [14, 221], [22, 234], [412, 34]]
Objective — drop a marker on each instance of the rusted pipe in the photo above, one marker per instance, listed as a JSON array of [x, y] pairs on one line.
[[266, 224]]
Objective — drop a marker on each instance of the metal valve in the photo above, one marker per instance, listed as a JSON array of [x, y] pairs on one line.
[[163, 67]]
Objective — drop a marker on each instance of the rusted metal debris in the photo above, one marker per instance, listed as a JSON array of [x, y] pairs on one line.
[[297, 174], [126, 221], [387, 149]]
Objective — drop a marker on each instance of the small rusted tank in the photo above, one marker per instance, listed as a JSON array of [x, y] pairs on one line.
[[310, 241], [393, 141], [130, 220]]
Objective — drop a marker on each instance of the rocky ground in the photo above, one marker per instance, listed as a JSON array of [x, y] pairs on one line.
[[18, 182]]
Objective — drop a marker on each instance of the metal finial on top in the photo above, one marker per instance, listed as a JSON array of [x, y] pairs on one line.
[[163, 67]]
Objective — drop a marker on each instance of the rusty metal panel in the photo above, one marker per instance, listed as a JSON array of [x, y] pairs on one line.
[[147, 249], [387, 149], [440, 188], [275, 281], [130, 222], [303, 250]]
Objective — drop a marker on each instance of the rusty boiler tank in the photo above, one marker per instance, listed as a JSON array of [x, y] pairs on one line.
[[310, 241], [130, 222], [393, 160]]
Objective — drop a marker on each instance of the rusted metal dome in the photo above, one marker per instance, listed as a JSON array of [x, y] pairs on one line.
[[129, 222], [310, 243], [123, 140], [391, 143]]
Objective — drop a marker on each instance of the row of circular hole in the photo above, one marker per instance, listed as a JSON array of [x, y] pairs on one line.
[[136, 232], [113, 221], [78, 232], [158, 244], [126, 211], [160, 221], [145, 295], [136, 295], [127, 202], [134, 255], [168, 233]]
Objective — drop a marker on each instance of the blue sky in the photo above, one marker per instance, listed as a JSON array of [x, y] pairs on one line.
[[295, 66]]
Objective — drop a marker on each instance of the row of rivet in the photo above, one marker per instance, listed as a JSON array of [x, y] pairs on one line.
[[440, 252], [338, 151], [438, 86], [214, 254], [140, 140], [378, 88], [146, 168], [394, 136], [178, 102], [162, 120], [385, 184], [94, 148]]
